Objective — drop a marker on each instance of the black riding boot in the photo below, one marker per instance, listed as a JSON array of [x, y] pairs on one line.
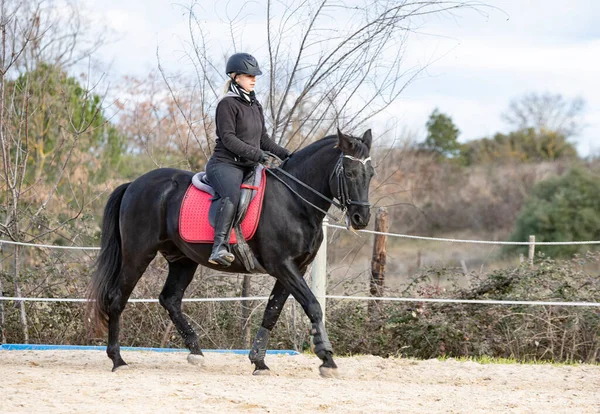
[[223, 223]]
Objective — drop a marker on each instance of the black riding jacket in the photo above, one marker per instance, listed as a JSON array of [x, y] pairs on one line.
[[242, 133]]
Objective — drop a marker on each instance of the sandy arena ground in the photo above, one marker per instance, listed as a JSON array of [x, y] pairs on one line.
[[81, 381]]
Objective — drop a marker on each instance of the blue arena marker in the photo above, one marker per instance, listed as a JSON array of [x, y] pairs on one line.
[[37, 347]]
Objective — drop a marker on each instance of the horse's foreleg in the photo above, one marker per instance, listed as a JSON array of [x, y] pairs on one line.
[[259, 348], [293, 282], [180, 275]]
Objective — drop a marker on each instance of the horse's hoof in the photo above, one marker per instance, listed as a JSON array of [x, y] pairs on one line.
[[262, 372], [327, 372], [123, 367], [196, 359]]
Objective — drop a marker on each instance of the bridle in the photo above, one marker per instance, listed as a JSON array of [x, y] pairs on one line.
[[343, 194]]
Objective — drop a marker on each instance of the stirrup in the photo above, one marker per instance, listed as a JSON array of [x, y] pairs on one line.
[[222, 257]]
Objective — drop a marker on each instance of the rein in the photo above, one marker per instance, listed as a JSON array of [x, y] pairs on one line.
[[343, 193]]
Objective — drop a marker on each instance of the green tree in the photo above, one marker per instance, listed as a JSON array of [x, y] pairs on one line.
[[565, 208], [442, 135], [67, 122]]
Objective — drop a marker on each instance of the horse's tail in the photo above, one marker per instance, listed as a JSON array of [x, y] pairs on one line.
[[107, 266]]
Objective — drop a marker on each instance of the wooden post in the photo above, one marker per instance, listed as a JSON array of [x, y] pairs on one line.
[[20, 304], [531, 250], [319, 271], [2, 320], [246, 325], [465, 269], [378, 260]]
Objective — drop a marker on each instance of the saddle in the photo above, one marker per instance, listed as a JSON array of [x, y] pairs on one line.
[[250, 186], [199, 209]]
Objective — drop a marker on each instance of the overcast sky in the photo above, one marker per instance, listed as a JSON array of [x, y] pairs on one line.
[[478, 62]]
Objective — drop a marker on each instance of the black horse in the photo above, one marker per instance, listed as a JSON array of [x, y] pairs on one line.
[[141, 219]]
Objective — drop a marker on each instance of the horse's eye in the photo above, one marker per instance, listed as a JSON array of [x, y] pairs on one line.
[[350, 173]]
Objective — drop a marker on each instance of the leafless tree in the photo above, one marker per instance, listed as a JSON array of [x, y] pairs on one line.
[[33, 33], [59, 33], [547, 111], [328, 63]]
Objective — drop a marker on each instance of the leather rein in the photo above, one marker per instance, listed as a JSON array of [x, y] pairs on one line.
[[343, 193]]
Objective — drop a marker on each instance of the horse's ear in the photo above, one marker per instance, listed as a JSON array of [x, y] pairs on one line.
[[345, 143], [367, 139]]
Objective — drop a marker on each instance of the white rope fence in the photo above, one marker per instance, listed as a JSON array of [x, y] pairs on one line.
[[19, 299], [360, 298], [335, 226], [440, 239], [49, 246], [467, 301]]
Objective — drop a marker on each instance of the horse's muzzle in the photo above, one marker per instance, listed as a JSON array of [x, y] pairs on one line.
[[359, 217]]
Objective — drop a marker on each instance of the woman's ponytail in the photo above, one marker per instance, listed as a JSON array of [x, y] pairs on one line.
[[228, 83], [227, 86]]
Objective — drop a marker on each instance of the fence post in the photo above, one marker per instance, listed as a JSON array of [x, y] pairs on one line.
[[319, 271], [246, 339], [531, 250], [378, 260], [2, 319]]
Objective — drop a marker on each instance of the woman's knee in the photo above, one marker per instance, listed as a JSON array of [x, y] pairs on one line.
[[233, 197]]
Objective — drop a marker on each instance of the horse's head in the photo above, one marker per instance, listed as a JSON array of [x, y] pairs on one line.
[[352, 176]]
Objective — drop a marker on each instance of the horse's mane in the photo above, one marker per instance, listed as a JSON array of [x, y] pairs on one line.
[[316, 146], [313, 149], [304, 161]]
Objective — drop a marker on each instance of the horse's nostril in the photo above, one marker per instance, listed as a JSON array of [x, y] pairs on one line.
[[357, 218]]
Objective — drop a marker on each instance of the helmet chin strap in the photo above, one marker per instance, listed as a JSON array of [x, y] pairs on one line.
[[239, 90], [236, 83]]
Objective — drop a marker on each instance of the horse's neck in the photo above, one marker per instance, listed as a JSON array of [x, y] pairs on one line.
[[315, 171]]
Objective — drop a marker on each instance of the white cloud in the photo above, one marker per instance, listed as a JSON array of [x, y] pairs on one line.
[[124, 22], [494, 54], [479, 61]]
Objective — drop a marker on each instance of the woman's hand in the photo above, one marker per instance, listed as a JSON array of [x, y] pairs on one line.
[[264, 157]]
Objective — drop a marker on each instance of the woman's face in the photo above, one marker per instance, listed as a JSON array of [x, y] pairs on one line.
[[246, 81]]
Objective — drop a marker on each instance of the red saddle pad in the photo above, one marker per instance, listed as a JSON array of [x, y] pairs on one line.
[[193, 216]]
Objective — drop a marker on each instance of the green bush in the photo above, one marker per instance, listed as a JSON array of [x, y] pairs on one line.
[[565, 208], [523, 332], [523, 145]]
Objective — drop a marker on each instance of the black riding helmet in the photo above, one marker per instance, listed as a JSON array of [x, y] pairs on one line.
[[243, 63]]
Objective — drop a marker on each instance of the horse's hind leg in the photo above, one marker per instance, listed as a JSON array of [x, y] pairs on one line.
[[132, 270], [181, 273], [259, 348]]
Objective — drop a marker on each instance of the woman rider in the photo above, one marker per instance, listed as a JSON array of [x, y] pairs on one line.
[[242, 140]]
